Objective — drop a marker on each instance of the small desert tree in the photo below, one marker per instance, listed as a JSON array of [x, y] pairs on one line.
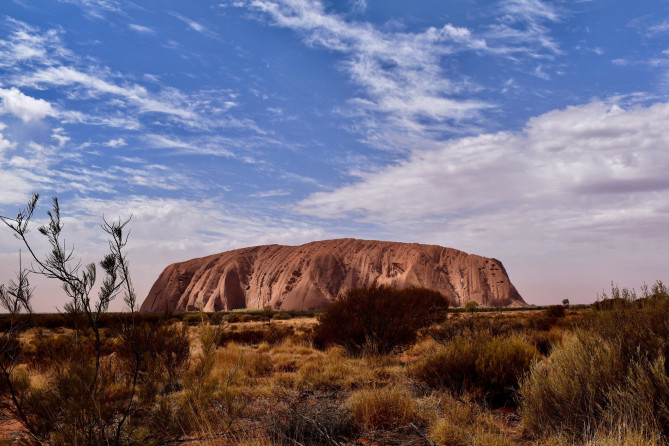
[[377, 318], [84, 402]]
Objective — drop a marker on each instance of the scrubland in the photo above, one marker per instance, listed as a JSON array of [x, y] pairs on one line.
[[352, 375]]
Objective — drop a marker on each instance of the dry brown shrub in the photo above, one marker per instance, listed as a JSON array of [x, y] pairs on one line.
[[333, 371], [386, 407], [377, 319], [465, 423], [489, 367]]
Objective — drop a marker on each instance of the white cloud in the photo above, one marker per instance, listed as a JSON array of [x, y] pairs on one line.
[[4, 143], [359, 6], [25, 107], [138, 95], [569, 170], [141, 28], [118, 142], [96, 8], [26, 44], [568, 204], [192, 24], [522, 28], [271, 193]]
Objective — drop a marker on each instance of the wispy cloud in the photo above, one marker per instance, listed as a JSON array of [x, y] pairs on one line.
[[141, 28], [523, 23], [28, 45], [118, 142], [96, 8], [136, 94], [271, 193], [193, 25], [400, 73]]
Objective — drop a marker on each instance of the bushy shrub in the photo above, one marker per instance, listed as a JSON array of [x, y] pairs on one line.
[[566, 392], [386, 407], [274, 334], [487, 366], [555, 311], [613, 371], [377, 318], [471, 306], [464, 423], [302, 418]]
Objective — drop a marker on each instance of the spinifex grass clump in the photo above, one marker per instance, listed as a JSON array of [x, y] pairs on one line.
[[484, 365], [377, 318], [611, 374]]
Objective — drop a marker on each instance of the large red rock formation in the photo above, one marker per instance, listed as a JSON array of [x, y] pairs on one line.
[[309, 276]]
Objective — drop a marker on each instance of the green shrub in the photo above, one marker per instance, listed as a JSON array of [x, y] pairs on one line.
[[377, 318], [471, 306]]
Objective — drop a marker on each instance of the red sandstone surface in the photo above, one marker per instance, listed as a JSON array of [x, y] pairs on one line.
[[309, 276]]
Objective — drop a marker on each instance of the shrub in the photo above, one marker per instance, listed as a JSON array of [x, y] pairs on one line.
[[466, 424], [566, 392], [613, 371], [377, 318], [383, 408], [274, 334], [544, 341], [488, 366], [500, 364], [332, 371], [555, 311], [302, 418], [471, 306], [452, 367]]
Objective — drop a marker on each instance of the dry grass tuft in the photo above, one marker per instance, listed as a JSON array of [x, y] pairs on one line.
[[387, 407]]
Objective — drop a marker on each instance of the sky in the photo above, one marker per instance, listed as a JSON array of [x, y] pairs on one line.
[[535, 132]]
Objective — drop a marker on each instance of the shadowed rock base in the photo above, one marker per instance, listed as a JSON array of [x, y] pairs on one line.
[[309, 276]]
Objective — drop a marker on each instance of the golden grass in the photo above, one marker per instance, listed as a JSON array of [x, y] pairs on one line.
[[385, 407], [384, 393], [464, 423]]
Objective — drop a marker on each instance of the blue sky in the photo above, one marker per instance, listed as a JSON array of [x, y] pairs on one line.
[[530, 131]]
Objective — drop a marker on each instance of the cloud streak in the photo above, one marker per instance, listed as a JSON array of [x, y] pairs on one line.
[[400, 73]]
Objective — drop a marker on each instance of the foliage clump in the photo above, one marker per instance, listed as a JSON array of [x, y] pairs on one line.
[[377, 318], [488, 366], [612, 373]]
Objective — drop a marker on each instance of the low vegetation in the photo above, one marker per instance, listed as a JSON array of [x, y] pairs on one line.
[[378, 319], [380, 366]]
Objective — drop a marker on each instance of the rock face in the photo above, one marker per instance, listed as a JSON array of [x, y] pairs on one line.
[[309, 276]]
